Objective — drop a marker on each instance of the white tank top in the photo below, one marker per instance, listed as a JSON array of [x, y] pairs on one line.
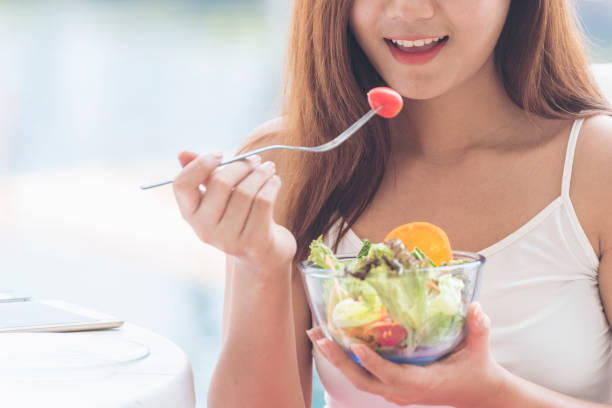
[[540, 289]]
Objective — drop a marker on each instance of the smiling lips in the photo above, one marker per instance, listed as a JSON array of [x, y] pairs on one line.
[[416, 51]]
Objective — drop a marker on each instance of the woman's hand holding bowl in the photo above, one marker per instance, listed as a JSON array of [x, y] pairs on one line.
[[469, 377]]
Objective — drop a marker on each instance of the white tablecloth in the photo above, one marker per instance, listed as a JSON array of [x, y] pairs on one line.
[[125, 367]]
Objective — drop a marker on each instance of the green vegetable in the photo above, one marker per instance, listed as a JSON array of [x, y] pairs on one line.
[[378, 254], [420, 255], [386, 276], [322, 256], [357, 289], [440, 327], [381, 252], [404, 295], [350, 313], [448, 301], [365, 249]]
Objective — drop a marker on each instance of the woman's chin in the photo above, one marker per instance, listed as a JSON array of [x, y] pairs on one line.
[[418, 90], [420, 95]]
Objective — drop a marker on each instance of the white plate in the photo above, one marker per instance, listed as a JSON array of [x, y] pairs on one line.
[[66, 351]]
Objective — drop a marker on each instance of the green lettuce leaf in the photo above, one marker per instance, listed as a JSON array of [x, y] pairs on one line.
[[404, 295], [440, 328], [321, 253], [358, 289], [365, 249], [448, 301], [351, 313]]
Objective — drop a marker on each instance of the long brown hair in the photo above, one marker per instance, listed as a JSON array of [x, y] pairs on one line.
[[540, 56]]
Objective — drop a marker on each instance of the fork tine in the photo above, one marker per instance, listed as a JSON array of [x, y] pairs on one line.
[[342, 137]]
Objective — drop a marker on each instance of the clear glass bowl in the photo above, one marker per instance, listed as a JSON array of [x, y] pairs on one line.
[[420, 337]]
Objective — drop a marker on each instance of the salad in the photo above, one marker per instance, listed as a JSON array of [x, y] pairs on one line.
[[391, 297]]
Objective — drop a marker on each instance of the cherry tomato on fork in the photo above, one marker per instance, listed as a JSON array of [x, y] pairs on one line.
[[391, 101]]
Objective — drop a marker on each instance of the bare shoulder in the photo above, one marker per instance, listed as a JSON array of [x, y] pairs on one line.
[[598, 126], [592, 181], [593, 160], [269, 132]]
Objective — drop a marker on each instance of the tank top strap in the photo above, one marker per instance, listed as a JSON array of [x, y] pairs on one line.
[[569, 157]]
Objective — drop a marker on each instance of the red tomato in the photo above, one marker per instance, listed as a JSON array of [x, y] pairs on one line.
[[392, 102], [388, 334]]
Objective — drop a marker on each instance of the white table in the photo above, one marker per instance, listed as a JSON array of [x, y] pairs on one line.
[[125, 367]]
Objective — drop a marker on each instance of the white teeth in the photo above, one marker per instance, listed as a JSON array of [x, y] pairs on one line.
[[416, 43]]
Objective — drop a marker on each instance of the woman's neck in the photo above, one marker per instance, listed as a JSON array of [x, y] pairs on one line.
[[478, 114]]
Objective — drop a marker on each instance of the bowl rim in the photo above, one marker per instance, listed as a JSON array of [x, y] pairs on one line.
[[478, 260]]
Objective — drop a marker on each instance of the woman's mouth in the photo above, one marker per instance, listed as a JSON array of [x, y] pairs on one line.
[[417, 51]]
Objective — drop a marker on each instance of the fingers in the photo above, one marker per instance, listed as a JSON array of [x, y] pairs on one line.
[[262, 209], [386, 371], [186, 157], [239, 197], [356, 375], [235, 212], [187, 184], [219, 189], [478, 328], [315, 334], [385, 374], [243, 197]]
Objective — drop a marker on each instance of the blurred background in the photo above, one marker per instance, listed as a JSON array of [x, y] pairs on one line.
[[98, 97]]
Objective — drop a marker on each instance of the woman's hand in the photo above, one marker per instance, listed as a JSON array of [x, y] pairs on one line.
[[469, 377], [235, 212]]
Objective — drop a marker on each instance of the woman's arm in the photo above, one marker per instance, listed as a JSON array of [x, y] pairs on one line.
[[258, 365], [266, 357], [518, 392], [301, 321], [591, 192]]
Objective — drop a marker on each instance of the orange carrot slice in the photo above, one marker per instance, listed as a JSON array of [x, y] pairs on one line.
[[430, 239], [432, 284]]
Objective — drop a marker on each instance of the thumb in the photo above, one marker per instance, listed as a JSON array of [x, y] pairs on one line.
[[479, 325]]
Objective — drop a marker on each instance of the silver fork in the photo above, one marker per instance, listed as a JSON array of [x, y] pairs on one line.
[[332, 144]]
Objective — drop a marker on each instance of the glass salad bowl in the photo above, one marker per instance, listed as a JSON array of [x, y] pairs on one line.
[[412, 315]]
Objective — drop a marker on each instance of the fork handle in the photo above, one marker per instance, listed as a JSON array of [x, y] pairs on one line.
[[261, 150], [232, 160]]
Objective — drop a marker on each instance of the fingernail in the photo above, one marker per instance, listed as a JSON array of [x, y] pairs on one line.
[[482, 318], [310, 333], [485, 322], [269, 165], [255, 159], [323, 347], [218, 155], [479, 315]]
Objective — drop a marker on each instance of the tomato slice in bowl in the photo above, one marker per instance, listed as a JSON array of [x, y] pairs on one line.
[[388, 334]]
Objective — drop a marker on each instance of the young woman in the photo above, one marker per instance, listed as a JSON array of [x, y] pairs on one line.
[[504, 142]]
